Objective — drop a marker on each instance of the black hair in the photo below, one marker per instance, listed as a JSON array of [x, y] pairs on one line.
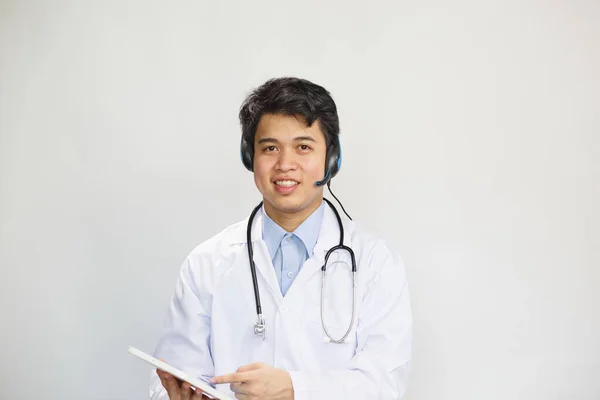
[[294, 97]]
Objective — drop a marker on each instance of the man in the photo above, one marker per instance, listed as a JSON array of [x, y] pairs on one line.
[[291, 346]]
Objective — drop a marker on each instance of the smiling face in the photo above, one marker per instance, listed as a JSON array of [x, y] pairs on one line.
[[289, 157]]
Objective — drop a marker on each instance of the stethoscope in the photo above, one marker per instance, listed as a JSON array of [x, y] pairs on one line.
[[259, 326]]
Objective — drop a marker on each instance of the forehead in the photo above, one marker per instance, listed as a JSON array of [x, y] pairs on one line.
[[286, 127]]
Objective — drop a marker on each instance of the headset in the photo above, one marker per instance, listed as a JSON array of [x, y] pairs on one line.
[[333, 158]]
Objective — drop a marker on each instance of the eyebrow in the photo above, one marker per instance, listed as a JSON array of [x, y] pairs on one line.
[[297, 139]]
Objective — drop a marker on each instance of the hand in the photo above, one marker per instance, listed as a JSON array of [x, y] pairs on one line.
[[178, 390], [258, 381]]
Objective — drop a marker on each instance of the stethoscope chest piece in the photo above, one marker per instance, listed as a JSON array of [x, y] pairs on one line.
[[259, 327]]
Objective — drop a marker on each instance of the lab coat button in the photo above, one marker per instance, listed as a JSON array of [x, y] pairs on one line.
[[283, 309]]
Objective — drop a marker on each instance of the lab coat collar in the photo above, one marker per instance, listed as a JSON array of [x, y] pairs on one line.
[[239, 230], [329, 236]]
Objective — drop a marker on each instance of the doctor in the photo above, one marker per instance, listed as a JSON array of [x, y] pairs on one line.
[[280, 327]]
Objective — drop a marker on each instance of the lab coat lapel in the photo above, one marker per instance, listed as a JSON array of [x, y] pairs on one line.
[[262, 259], [329, 236]]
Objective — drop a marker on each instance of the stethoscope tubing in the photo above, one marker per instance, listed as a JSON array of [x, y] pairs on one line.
[[259, 327]]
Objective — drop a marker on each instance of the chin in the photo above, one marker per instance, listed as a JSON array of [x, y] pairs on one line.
[[291, 204], [288, 206]]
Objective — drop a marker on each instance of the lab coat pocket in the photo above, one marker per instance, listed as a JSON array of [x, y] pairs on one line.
[[321, 353]]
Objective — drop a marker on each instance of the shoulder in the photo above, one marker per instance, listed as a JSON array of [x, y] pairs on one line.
[[218, 248], [370, 241], [374, 252]]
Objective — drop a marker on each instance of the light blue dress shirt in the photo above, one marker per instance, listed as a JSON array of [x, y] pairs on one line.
[[290, 250]]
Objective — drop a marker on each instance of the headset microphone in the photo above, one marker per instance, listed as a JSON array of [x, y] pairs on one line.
[[323, 181]]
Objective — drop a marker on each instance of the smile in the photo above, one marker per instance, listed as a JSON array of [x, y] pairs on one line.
[[288, 183]]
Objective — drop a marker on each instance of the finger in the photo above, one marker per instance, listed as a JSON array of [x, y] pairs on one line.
[[186, 391], [172, 385], [198, 395], [161, 374], [230, 378], [164, 374], [163, 382]]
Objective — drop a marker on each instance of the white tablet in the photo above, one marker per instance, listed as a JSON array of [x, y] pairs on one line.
[[195, 382]]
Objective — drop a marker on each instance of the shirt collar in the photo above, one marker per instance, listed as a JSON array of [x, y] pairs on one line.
[[271, 232], [307, 232]]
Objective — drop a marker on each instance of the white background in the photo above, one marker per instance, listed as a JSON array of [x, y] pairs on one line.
[[470, 133]]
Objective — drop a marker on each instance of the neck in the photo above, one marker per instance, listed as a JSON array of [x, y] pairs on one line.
[[289, 221]]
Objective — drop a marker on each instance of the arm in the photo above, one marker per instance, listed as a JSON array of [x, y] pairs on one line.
[[185, 340], [381, 366]]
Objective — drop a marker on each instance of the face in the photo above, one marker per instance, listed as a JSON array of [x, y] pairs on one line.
[[289, 157]]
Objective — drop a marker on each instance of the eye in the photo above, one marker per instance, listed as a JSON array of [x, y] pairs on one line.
[[304, 147], [270, 148]]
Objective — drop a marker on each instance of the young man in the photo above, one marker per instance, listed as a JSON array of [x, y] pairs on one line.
[[278, 327]]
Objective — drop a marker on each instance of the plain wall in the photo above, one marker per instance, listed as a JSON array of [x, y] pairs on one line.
[[470, 134]]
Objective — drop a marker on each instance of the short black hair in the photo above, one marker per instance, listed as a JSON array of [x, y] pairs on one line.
[[290, 96]]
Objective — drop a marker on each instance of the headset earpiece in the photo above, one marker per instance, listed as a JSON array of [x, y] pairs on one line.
[[247, 154], [333, 162], [334, 158]]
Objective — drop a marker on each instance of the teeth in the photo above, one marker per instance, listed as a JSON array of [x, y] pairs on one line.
[[286, 183]]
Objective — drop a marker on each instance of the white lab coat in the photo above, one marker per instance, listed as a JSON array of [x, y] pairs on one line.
[[209, 329]]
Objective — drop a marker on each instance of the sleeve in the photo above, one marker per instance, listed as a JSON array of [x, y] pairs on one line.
[[381, 365], [185, 342]]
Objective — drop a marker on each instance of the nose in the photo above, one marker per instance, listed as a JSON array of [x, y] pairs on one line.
[[287, 161]]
